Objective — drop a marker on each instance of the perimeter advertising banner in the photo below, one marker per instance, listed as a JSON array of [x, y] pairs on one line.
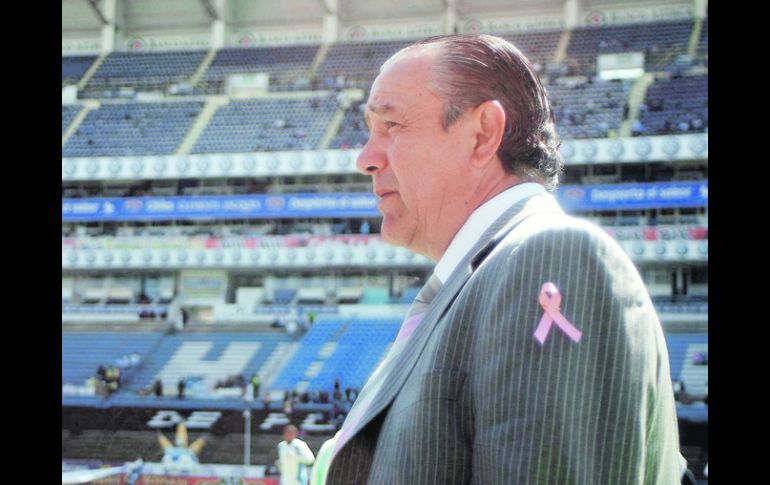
[[182, 480], [221, 207], [361, 204], [634, 196]]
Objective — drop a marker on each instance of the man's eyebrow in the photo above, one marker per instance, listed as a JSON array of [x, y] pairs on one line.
[[378, 110], [385, 108]]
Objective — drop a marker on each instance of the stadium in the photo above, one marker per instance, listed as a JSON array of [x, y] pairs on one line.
[[223, 272]]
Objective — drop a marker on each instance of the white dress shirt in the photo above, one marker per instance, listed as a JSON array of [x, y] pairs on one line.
[[478, 222]]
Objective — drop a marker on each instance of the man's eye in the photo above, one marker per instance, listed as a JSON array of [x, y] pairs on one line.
[[390, 124]]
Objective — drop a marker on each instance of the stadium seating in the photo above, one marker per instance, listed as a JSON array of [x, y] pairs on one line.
[[539, 47], [355, 64], [203, 359], [68, 113], [74, 67], [681, 350], [661, 42], [357, 353], [287, 65], [703, 40], [588, 110], [119, 129], [267, 125], [338, 348], [352, 132], [675, 101], [323, 330], [144, 71], [84, 352]]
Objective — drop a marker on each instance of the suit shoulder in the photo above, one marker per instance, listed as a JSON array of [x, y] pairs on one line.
[[556, 228]]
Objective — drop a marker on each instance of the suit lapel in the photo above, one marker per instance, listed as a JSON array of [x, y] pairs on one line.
[[399, 369]]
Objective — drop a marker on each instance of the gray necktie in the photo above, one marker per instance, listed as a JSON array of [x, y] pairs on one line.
[[419, 307]]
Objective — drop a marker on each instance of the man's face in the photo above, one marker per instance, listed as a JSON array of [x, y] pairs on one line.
[[289, 434], [420, 172]]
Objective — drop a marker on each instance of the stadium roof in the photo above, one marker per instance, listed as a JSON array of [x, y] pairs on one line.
[[88, 16]]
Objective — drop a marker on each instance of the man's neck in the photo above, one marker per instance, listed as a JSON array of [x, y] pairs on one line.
[[486, 191]]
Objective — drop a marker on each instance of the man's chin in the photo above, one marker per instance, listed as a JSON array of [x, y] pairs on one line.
[[390, 235]]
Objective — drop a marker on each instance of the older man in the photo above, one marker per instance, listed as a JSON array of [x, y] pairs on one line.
[[533, 354]]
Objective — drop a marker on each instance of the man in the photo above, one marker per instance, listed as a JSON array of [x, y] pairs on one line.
[[540, 358], [294, 456]]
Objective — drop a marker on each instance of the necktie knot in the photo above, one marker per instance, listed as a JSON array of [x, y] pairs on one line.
[[419, 306]]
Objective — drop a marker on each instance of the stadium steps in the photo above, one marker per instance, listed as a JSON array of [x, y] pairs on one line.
[[692, 46], [635, 98], [274, 364], [349, 95], [319, 58], [91, 70], [88, 106], [213, 103], [561, 49], [205, 63]]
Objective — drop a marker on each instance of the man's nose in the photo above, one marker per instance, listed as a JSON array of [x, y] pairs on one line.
[[371, 159]]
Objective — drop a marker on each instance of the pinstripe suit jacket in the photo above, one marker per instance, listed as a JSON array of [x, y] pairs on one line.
[[475, 399]]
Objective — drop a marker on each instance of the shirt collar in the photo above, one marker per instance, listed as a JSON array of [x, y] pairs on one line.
[[478, 222]]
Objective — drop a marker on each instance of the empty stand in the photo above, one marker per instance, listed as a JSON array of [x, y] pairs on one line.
[[661, 42], [347, 349], [267, 124], [144, 70], [84, 352], [676, 105], [205, 359], [288, 66], [74, 67], [681, 350], [68, 113], [355, 64], [120, 129], [588, 110], [538, 47]]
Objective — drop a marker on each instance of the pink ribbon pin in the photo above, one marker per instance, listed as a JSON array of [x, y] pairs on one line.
[[550, 299]]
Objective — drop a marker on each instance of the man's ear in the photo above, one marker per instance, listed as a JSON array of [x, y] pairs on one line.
[[489, 124]]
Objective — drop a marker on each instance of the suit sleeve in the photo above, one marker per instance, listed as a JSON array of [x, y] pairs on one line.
[[590, 412]]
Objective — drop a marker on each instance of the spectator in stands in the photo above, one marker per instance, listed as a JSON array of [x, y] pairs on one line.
[[112, 379], [462, 152], [638, 128], [255, 381], [288, 403], [679, 389], [294, 456], [157, 388], [180, 386]]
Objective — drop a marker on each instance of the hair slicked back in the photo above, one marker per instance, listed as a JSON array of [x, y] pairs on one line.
[[473, 68]]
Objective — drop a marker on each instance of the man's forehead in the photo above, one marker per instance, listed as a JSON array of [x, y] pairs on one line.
[[401, 83]]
